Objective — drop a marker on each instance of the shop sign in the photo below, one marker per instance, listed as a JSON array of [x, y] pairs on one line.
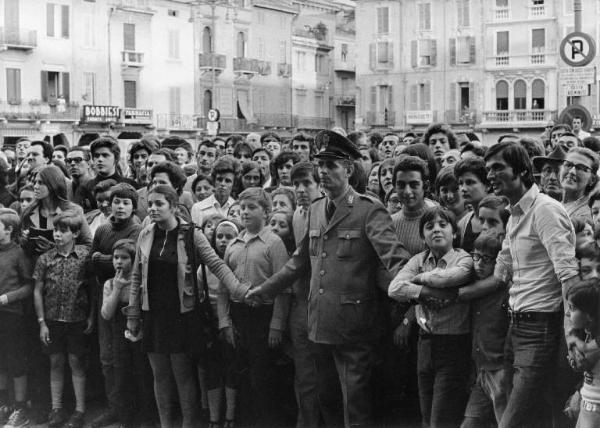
[[100, 114]]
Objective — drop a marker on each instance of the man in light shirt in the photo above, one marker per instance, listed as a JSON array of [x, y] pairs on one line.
[[223, 173]]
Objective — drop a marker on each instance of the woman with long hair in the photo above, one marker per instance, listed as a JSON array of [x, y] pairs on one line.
[[50, 192], [165, 295]]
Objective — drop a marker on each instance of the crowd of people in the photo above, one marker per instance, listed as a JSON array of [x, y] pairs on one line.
[[269, 282]]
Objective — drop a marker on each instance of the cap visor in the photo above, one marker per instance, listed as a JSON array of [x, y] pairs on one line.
[[330, 155]]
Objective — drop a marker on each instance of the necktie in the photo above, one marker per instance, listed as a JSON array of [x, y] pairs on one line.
[[329, 210]]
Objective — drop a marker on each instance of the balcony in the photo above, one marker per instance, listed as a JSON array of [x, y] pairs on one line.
[[529, 59], [274, 120], [502, 60], [381, 118], [284, 69], [36, 110], [229, 125], [346, 66], [537, 11], [345, 101], [464, 117], [307, 122], [516, 118], [212, 62], [136, 6], [245, 67], [538, 58], [131, 59], [501, 14], [264, 68], [178, 122], [17, 38]]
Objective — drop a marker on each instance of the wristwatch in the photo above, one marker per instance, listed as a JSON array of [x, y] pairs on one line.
[[405, 321]]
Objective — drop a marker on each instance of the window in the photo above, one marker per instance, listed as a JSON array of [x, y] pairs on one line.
[[318, 105], [261, 47], [241, 45], [57, 20], [173, 13], [383, 23], [129, 37], [173, 44], [502, 95], [55, 84], [344, 52], [207, 40], [425, 96], [130, 93], [175, 100], [538, 91], [89, 31], [502, 43], [538, 40], [301, 60], [89, 80], [502, 4], [424, 16], [301, 103], [207, 101], [463, 12], [380, 54], [520, 91], [13, 85], [463, 50]]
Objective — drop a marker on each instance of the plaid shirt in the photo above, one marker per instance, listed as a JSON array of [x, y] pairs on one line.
[[64, 278]]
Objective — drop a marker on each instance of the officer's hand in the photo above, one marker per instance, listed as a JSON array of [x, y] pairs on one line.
[[275, 337], [254, 297]]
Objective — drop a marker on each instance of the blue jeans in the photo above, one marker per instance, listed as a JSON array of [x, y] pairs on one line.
[[487, 400], [589, 415], [443, 374], [530, 357]]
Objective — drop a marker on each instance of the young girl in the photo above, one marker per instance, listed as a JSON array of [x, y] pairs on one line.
[[582, 310], [234, 213], [209, 224], [280, 223], [584, 233], [133, 376]]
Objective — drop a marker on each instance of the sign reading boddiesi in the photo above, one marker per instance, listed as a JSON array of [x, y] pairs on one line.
[[576, 80], [416, 117], [100, 114]]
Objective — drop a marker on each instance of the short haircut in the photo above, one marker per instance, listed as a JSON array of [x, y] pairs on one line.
[[422, 151], [559, 126], [208, 144], [124, 191], [127, 245], [226, 164], [234, 139], [152, 140], [84, 150], [201, 177], [433, 212], [592, 143], [516, 157], [141, 145], [411, 163], [283, 158], [445, 177], [488, 243], [47, 148], [470, 147], [288, 192], [585, 296], [27, 187], [443, 128], [304, 169], [104, 186], [375, 138], [106, 142], [10, 218], [262, 149], [259, 195], [355, 137], [69, 219], [474, 165], [499, 203], [168, 153], [168, 192], [532, 146], [269, 136], [507, 136], [588, 252], [249, 166], [176, 175], [240, 147], [61, 148], [173, 141]]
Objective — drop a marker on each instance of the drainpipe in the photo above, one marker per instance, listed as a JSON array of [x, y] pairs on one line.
[[577, 14], [110, 12]]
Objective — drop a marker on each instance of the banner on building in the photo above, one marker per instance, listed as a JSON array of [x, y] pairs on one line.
[[137, 116], [100, 114]]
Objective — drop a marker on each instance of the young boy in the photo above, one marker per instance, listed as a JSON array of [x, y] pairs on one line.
[[255, 255], [15, 285], [64, 307]]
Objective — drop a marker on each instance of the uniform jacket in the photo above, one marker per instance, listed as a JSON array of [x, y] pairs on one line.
[[343, 258]]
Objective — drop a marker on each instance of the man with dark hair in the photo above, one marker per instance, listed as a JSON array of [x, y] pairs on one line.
[[439, 138], [578, 131], [556, 132], [106, 154], [281, 167], [532, 146], [538, 256], [471, 150], [138, 156], [78, 164], [408, 138], [387, 146], [301, 145], [343, 275], [224, 172], [205, 158], [39, 153], [569, 140], [263, 158]]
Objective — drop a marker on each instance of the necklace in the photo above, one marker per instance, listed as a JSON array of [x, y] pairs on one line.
[[164, 243]]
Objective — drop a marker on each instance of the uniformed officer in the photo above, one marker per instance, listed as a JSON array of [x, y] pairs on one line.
[[349, 236]]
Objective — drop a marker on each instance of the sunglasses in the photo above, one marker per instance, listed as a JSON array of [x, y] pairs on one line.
[[73, 160]]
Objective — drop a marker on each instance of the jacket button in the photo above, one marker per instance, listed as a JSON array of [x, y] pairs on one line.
[[347, 236], [324, 255], [358, 301], [321, 291], [322, 273]]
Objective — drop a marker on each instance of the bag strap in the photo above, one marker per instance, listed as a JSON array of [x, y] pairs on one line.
[[190, 243]]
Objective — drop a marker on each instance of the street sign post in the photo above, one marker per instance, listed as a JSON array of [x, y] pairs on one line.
[[577, 49], [212, 125], [576, 80]]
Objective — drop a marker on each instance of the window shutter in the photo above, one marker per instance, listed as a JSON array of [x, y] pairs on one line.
[[413, 53], [433, 52], [413, 97], [453, 90], [390, 97], [66, 86], [65, 21], [50, 19], [472, 52], [129, 37], [44, 86], [373, 100], [174, 100], [372, 56], [502, 42], [13, 88], [130, 94], [538, 39], [472, 95], [452, 44], [426, 96], [390, 52]]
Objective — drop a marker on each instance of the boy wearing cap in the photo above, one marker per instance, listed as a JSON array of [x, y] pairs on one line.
[[349, 236]]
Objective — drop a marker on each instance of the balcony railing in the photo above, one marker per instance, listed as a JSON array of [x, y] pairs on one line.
[[537, 11], [229, 124], [464, 116], [177, 121], [502, 60], [18, 38], [501, 14], [38, 111], [538, 58], [311, 122], [380, 118], [345, 100], [142, 6], [212, 61], [517, 118], [264, 68], [274, 120], [245, 65], [132, 59], [284, 69], [340, 65]]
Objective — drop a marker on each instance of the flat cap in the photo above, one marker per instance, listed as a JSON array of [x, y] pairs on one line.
[[336, 146]]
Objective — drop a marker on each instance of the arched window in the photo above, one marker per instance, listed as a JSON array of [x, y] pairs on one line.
[[538, 89], [207, 101], [520, 95], [502, 95], [241, 44], [207, 45]]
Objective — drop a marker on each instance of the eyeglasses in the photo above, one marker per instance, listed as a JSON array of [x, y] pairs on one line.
[[73, 160], [579, 167], [486, 259]]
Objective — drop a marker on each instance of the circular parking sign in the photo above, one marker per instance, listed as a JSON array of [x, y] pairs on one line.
[[213, 115], [577, 49]]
